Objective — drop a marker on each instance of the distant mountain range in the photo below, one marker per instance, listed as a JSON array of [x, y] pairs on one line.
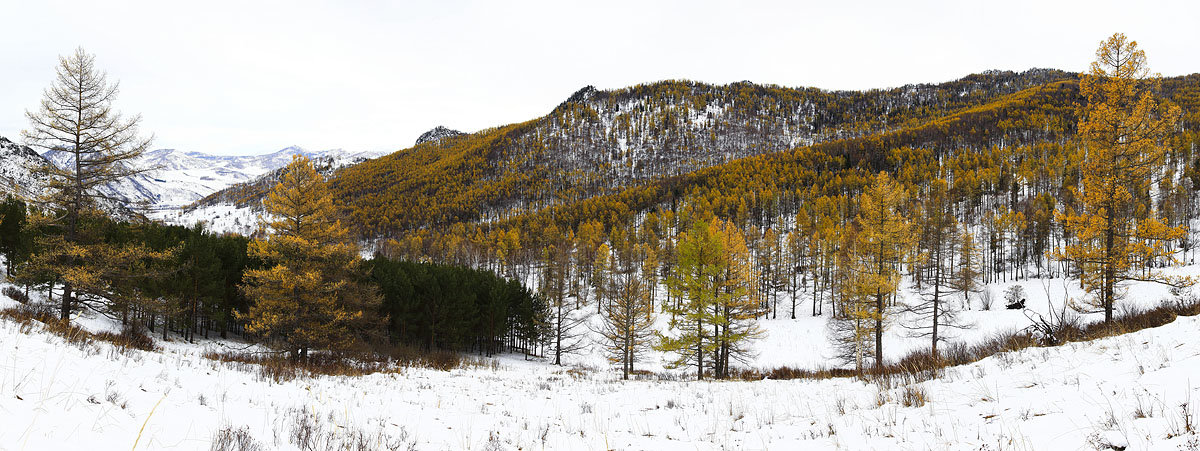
[[178, 178], [17, 164]]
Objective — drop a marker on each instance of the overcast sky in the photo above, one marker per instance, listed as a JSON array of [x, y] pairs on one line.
[[240, 77]]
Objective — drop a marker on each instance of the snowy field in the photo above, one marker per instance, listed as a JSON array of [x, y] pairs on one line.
[[1127, 391]]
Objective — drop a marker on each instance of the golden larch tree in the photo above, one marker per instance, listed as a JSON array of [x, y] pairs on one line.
[[885, 238], [311, 293], [1123, 128]]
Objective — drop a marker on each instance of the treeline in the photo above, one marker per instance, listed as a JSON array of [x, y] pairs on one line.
[[453, 307], [185, 281], [606, 142], [189, 284]]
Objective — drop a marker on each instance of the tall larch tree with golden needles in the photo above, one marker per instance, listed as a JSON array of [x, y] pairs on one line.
[[1123, 129], [884, 239], [310, 294]]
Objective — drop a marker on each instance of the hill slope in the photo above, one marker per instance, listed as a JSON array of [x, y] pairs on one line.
[[603, 142]]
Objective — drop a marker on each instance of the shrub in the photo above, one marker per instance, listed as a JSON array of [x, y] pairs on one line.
[[16, 294], [230, 439], [986, 299], [1014, 295]]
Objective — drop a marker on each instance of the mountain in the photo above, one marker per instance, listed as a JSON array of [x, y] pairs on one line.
[[436, 134], [17, 166], [599, 143], [179, 178]]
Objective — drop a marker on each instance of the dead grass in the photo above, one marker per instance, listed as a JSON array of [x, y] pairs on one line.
[[28, 315], [279, 367], [923, 365]]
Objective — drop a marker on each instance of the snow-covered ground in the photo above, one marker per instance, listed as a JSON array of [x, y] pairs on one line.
[[220, 218], [1121, 391]]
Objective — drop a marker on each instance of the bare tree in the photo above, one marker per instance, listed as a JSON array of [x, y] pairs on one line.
[[627, 327], [76, 116]]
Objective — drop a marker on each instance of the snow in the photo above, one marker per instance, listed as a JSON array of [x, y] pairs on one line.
[[179, 178], [1124, 391]]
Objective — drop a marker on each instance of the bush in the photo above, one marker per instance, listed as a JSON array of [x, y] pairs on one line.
[[133, 335], [1013, 296], [230, 439], [986, 299]]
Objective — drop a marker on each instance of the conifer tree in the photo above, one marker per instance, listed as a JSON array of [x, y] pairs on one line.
[[713, 277], [555, 285], [76, 117], [737, 307], [1123, 128], [14, 240], [311, 293], [627, 326], [884, 239], [967, 273], [851, 325], [797, 247], [698, 262], [934, 316]]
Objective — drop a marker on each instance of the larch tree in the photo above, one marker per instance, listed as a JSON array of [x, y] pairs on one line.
[[851, 326], [1123, 129], [311, 293], [76, 118], [694, 281], [797, 249], [715, 320], [883, 242], [933, 315], [627, 326], [737, 307], [555, 285], [966, 279]]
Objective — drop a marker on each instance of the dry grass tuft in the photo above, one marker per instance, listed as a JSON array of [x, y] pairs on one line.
[[27, 315], [923, 365]]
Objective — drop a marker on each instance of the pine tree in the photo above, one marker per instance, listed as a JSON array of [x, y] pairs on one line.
[[1123, 128], [310, 294], [14, 240], [77, 117]]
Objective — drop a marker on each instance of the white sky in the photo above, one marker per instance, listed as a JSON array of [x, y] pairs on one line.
[[248, 76]]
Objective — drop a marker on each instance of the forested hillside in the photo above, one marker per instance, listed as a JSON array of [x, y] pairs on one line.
[[601, 142]]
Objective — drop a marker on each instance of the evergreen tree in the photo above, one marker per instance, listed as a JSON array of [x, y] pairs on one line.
[[14, 237]]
